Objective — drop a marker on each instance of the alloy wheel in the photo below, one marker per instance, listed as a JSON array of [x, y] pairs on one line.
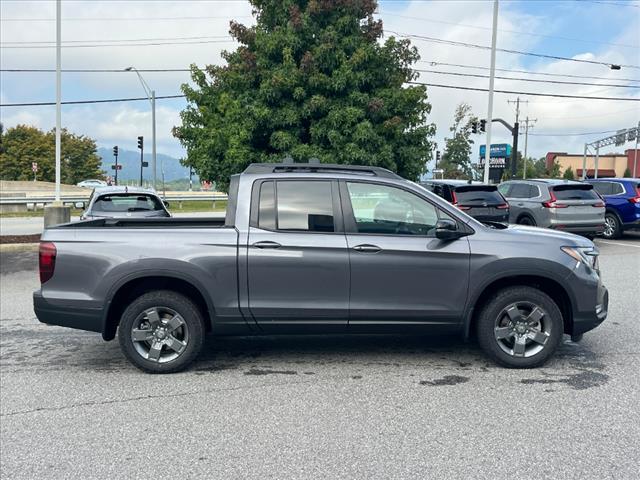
[[159, 334], [522, 329]]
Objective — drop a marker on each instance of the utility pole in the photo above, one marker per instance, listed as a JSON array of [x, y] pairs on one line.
[[492, 75], [516, 135], [528, 124]]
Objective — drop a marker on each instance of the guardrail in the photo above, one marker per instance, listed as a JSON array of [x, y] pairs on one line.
[[23, 204]]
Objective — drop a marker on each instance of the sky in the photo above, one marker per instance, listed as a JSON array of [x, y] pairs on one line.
[[593, 30]]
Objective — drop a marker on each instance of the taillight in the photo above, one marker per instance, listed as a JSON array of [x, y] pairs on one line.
[[47, 260], [553, 202], [636, 199], [598, 205], [502, 206], [462, 207]]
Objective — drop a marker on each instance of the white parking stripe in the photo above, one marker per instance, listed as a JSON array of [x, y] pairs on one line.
[[622, 244]]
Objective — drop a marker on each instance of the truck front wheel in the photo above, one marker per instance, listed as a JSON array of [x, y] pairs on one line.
[[520, 327], [161, 332]]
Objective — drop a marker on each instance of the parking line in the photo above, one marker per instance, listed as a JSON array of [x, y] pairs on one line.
[[618, 243]]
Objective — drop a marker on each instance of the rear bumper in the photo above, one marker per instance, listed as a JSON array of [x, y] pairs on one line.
[[579, 227], [67, 314], [635, 225]]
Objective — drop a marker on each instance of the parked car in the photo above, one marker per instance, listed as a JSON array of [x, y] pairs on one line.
[[622, 203], [483, 202], [92, 184], [123, 202], [312, 248], [559, 204]]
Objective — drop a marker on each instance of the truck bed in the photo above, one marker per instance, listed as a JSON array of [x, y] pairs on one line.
[[162, 222]]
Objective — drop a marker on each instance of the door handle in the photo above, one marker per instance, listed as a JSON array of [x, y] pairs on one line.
[[520, 204], [266, 244], [365, 248]]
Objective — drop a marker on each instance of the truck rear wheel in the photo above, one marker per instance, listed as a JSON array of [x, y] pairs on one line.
[[521, 327], [161, 332]]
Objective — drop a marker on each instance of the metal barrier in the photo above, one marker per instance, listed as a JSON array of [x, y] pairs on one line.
[[76, 198]]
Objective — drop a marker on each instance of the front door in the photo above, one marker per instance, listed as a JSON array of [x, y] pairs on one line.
[[399, 271], [298, 265]]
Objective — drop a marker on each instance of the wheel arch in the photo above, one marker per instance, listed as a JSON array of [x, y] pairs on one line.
[[550, 286], [526, 215], [131, 288]]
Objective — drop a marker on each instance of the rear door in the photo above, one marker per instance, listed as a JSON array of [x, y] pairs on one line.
[[401, 273], [298, 265]]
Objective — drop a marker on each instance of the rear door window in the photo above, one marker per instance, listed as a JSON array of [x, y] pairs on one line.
[[305, 206], [603, 188], [575, 192], [478, 195], [520, 190]]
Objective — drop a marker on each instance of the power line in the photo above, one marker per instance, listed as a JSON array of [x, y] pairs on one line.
[[92, 70], [534, 94], [49, 42], [460, 74], [84, 102], [120, 44], [122, 19], [430, 20], [528, 72], [570, 134], [505, 50], [456, 87]]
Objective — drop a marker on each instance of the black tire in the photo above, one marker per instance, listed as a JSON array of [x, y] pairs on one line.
[[190, 333], [488, 324], [526, 220], [612, 229]]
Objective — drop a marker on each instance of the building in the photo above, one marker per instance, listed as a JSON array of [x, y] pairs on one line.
[[609, 165]]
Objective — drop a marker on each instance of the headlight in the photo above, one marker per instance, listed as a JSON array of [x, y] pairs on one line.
[[586, 255]]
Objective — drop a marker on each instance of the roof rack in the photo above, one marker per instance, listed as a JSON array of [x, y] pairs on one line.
[[320, 168]]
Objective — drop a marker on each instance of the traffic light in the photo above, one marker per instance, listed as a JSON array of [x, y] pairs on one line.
[[474, 127], [483, 125], [140, 142], [115, 151], [437, 156]]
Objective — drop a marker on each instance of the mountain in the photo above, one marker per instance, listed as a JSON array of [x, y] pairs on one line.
[[130, 160]]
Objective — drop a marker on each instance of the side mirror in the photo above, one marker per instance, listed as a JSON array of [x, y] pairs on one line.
[[447, 229]]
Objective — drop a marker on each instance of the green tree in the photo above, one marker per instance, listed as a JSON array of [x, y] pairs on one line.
[[554, 171], [568, 174], [456, 159], [627, 173], [22, 145], [310, 80]]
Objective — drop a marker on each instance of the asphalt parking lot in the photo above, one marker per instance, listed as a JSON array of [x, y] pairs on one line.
[[320, 407]]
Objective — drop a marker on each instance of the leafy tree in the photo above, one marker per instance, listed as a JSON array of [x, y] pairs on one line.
[[309, 80], [568, 174], [627, 173], [554, 171], [456, 159], [23, 144]]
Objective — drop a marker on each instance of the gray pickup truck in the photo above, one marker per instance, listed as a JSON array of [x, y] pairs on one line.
[[316, 248]]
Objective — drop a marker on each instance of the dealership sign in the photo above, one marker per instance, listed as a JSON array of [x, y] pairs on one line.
[[498, 150]]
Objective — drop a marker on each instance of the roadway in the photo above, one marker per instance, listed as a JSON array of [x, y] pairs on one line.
[[319, 407]]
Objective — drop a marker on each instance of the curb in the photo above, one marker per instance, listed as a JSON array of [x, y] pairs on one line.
[[19, 247]]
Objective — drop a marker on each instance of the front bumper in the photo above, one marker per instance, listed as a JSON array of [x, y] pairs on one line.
[[589, 318], [67, 314]]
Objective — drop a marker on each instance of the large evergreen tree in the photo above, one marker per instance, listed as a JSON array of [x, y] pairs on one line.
[[22, 145], [309, 80]]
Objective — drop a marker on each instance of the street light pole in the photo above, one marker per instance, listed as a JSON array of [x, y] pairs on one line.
[[58, 94], [494, 35], [151, 96]]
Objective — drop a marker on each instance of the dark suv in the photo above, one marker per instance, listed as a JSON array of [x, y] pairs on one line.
[[622, 202], [483, 202]]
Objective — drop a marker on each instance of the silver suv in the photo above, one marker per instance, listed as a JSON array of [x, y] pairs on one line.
[[559, 204]]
